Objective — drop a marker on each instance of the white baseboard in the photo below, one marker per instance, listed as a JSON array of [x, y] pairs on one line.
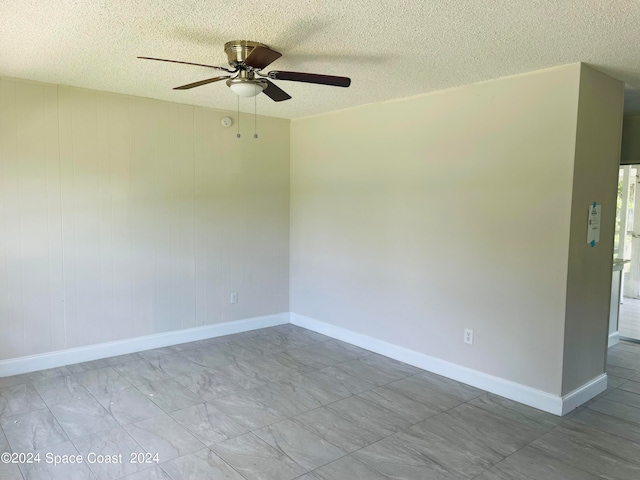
[[586, 392], [545, 401], [614, 339], [70, 356]]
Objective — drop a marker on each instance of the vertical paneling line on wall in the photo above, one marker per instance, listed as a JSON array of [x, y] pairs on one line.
[[4, 312], [75, 219], [156, 229], [112, 210], [64, 284], [130, 205], [21, 243], [195, 218], [101, 282], [44, 109]]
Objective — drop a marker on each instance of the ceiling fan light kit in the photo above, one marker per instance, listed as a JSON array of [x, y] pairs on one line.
[[246, 79], [246, 88]]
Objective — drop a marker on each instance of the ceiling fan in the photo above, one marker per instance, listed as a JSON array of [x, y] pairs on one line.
[[247, 59]]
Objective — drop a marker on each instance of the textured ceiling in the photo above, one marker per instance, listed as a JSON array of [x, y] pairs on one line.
[[390, 49]]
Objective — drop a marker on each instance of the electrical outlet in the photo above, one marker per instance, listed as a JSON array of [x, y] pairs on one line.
[[234, 298], [468, 336]]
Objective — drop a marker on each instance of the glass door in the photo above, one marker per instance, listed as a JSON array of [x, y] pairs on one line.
[[627, 247]]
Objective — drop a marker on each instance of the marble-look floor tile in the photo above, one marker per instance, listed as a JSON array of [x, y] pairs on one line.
[[307, 476], [351, 468], [212, 342], [246, 410], [260, 345], [10, 471], [340, 351], [535, 421], [155, 353], [61, 389], [593, 450], [451, 387], [624, 396], [369, 415], [409, 457], [378, 369], [63, 471], [313, 360], [502, 434], [162, 435], [467, 447], [304, 447], [19, 398], [240, 376], [618, 410], [13, 380], [609, 424], [343, 433], [329, 385], [110, 443], [630, 386], [624, 360], [270, 369], [183, 347], [257, 460], [531, 464], [405, 407], [32, 431], [201, 465], [140, 372], [90, 365], [77, 411], [122, 359], [49, 373], [294, 338], [621, 372], [129, 406], [208, 357], [327, 354], [208, 424], [174, 364], [432, 395], [284, 398], [169, 395], [101, 381], [208, 384], [4, 444], [153, 473], [292, 363]]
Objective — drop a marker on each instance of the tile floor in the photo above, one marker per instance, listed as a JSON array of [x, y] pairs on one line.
[[629, 318], [285, 403]]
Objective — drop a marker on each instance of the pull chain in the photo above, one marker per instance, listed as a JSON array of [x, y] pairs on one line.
[[238, 134], [255, 117]]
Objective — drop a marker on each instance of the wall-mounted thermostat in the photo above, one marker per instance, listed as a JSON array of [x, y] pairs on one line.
[[227, 122]]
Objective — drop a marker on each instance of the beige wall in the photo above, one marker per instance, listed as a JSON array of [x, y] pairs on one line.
[[123, 216], [595, 179], [414, 219]]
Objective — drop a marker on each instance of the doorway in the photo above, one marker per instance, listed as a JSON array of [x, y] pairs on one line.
[[626, 252]]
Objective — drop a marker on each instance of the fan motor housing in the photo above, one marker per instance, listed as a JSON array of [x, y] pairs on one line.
[[238, 50]]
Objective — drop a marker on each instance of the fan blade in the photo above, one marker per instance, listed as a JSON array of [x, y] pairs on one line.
[[260, 57], [201, 82], [275, 93], [187, 63], [311, 78]]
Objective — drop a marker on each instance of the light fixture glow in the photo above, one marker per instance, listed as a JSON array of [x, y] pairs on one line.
[[247, 88]]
